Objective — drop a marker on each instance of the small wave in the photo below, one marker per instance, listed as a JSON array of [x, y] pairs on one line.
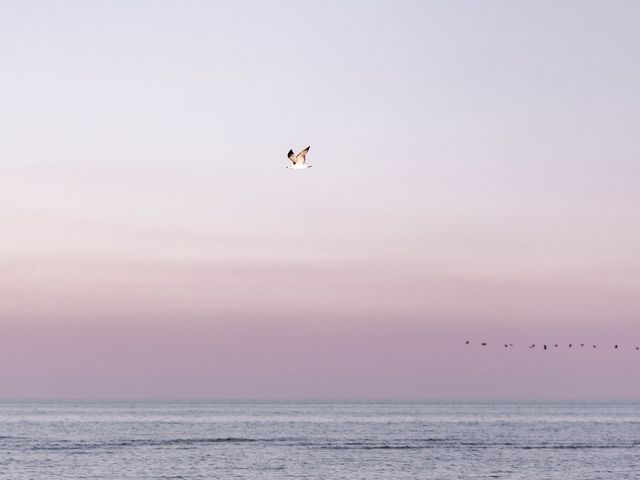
[[416, 445], [372, 447], [393, 447], [571, 447], [199, 441], [63, 445]]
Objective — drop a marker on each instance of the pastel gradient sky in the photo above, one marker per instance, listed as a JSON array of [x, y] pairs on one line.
[[477, 169]]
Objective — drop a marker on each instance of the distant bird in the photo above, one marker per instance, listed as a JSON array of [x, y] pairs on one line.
[[616, 347], [570, 345], [505, 345], [298, 161], [556, 345], [594, 346], [582, 344], [545, 347], [484, 344], [533, 345], [637, 348], [511, 344], [467, 342]]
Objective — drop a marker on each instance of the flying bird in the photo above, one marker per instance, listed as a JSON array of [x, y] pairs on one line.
[[298, 160]]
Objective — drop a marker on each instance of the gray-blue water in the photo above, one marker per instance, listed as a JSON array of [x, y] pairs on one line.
[[306, 440]]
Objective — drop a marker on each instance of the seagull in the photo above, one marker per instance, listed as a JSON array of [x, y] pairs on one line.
[[298, 160]]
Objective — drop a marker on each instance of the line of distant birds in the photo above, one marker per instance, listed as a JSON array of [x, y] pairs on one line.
[[544, 346]]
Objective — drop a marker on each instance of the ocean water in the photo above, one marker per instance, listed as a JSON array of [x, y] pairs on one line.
[[319, 440]]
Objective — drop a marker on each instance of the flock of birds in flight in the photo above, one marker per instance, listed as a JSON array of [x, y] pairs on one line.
[[545, 346]]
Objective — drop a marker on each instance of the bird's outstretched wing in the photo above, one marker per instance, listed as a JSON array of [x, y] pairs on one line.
[[300, 157], [292, 156], [304, 152]]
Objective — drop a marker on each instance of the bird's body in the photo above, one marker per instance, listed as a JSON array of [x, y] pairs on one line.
[[298, 161]]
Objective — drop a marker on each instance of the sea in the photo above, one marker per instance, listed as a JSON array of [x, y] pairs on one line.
[[319, 440]]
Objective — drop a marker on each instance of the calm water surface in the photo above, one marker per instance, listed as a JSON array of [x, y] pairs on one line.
[[274, 440]]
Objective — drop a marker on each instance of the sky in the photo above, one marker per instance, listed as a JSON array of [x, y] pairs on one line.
[[475, 176]]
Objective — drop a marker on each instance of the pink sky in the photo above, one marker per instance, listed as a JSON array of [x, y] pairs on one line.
[[475, 176]]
